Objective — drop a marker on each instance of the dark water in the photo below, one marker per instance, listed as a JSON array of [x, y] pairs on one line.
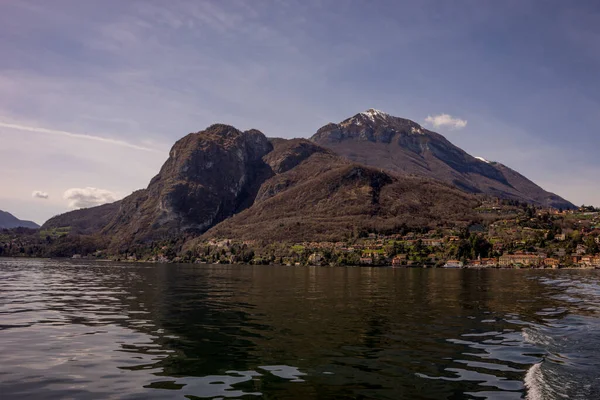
[[85, 330]]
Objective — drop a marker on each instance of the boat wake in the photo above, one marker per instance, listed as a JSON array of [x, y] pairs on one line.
[[534, 382], [570, 343]]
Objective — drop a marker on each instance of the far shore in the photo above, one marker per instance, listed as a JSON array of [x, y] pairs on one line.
[[106, 260]]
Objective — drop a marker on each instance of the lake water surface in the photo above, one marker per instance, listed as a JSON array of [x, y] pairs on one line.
[[93, 330]]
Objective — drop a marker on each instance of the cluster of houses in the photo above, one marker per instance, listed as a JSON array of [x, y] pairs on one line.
[[430, 249], [378, 242], [512, 246], [374, 251], [517, 260]]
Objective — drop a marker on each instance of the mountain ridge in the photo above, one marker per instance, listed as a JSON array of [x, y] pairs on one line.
[[223, 182], [9, 221], [397, 144]]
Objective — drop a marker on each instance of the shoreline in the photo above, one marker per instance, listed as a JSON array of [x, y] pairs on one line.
[[105, 260]]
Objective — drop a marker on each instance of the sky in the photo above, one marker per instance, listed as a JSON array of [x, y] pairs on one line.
[[93, 93]]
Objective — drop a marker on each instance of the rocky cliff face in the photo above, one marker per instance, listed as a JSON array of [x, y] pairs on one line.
[[403, 146], [209, 176]]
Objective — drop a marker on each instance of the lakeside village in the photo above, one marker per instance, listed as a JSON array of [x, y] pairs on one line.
[[525, 238], [508, 235]]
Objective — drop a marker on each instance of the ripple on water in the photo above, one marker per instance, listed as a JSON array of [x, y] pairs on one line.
[[89, 330], [492, 360], [570, 341]]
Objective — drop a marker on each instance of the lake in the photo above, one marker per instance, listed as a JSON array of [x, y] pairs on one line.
[[97, 330]]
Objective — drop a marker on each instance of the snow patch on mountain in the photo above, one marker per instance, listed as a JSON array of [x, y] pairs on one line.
[[373, 113]]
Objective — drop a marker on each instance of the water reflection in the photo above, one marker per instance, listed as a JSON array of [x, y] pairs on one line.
[[100, 330]]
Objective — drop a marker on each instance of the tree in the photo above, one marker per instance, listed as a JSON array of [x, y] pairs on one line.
[[592, 246]]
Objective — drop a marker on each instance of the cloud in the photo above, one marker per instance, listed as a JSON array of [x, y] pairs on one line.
[[36, 194], [446, 120], [88, 197], [116, 142]]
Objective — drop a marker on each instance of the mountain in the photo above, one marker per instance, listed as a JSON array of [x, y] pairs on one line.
[[9, 221], [369, 172], [326, 197], [399, 145], [227, 183]]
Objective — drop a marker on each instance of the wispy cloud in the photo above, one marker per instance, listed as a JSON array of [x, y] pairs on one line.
[[37, 194], [115, 142], [446, 120], [88, 197]]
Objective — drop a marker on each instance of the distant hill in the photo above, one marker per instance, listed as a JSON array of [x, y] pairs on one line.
[[85, 221], [396, 144], [9, 221]]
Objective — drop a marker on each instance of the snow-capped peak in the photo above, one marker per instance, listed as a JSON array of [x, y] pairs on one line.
[[374, 111], [370, 116], [482, 159], [371, 113]]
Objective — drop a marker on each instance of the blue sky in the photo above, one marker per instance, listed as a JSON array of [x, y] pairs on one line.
[[94, 93]]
